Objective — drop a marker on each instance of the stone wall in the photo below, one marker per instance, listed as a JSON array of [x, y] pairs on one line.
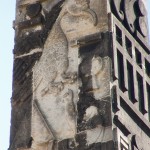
[[61, 82], [80, 72]]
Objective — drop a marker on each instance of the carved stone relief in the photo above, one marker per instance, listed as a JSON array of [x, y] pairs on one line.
[[54, 82], [71, 105], [55, 77], [79, 21], [94, 118], [100, 134], [100, 77]]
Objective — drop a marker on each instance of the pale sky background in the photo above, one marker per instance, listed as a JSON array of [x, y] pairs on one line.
[[7, 15]]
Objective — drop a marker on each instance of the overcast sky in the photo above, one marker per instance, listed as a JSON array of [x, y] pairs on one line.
[[7, 15]]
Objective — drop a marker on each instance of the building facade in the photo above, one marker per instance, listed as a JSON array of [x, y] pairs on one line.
[[81, 76]]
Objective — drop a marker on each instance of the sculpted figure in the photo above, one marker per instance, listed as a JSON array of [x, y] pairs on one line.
[[100, 77], [52, 69], [54, 60], [54, 75]]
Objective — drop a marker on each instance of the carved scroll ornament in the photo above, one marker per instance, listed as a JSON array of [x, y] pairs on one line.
[[133, 15]]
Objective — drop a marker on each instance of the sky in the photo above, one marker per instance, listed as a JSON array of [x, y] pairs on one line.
[[7, 15]]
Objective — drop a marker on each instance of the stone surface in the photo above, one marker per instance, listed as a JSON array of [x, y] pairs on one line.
[[55, 75], [80, 78]]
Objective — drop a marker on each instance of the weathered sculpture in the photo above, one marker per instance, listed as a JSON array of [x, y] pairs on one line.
[[66, 94], [56, 77]]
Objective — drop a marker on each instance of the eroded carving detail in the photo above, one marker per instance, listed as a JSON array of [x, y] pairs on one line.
[[100, 77], [54, 61], [100, 134], [44, 120], [50, 133], [90, 113], [57, 68], [55, 75], [82, 7], [94, 117]]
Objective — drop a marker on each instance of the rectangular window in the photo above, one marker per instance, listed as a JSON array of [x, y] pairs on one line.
[[141, 94], [148, 98], [131, 92], [128, 46], [147, 67], [138, 58], [118, 35], [120, 71]]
